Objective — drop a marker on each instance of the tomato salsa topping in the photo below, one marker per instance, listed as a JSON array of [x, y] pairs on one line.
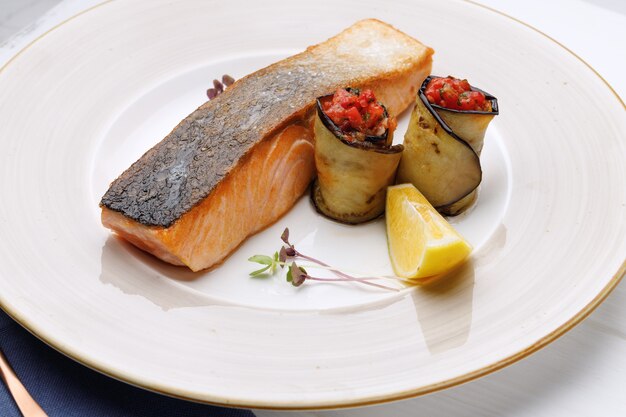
[[357, 113], [453, 93]]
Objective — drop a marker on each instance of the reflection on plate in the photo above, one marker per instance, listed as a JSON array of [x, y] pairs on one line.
[[547, 229]]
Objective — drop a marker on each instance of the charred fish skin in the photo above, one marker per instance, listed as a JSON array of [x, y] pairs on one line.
[[185, 167], [204, 148], [242, 160]]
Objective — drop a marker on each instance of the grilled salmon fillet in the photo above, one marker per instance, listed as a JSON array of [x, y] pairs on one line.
[[240, 161]]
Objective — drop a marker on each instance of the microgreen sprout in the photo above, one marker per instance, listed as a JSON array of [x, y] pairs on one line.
[[219, 87], [297, 275], [269, 262]]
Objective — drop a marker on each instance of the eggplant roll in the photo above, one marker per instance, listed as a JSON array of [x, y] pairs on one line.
[[352, 174], [442, 150]]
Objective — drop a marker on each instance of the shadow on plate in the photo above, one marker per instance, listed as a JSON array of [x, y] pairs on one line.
[[148, 277], [444, 309]]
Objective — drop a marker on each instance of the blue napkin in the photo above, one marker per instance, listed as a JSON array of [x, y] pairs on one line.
[[64, 388]]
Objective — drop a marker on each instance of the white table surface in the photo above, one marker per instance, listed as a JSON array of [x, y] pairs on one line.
[[581, 374]]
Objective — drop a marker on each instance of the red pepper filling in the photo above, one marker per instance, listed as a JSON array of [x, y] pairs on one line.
[[356, 113], [455, 94]]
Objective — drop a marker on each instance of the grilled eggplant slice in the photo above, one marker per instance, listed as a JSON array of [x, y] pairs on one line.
[[352, 175], [442, 150]]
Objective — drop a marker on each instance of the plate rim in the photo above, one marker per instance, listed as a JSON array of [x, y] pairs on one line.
[[411, 393]]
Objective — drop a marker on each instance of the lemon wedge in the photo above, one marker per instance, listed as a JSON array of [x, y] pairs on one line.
[[422, 243]]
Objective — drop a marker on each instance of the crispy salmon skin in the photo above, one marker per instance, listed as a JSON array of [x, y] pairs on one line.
[[240, 161]]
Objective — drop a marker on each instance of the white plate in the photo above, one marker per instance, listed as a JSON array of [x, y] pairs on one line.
[[88, 98]]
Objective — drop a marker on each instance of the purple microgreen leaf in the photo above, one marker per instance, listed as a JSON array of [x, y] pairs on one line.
[[227, 80], [282, 256], [219, 87], [258, 272], [261, 259], [298, 275], [211, 93]]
